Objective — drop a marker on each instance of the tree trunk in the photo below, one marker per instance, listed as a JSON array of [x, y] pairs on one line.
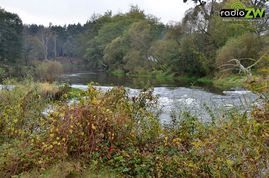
[[55, 46], [44, 39]]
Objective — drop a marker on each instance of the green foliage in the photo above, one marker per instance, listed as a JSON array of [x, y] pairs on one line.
[[227, 30], [2, 73], [16, 71], [74, 93], [32, 49], [118, 37], [10, 36], [48, 70], [166, 53], [162, 76], [245, 46], [104, 118], [227, 82], [72, 169], [137, 43], [22, 114], [118, 73], [22, 106], [204, 80], [108, 129], [115, 52], [191, 61], [20, 110], [16, 157]]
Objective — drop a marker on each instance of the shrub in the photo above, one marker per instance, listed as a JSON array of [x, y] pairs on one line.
[[21, 106], [21, 121], [17, 71], [48, 70], [20, 109], [110, 129], [2, 73], [17, 156], [245, 46], [100, 122]]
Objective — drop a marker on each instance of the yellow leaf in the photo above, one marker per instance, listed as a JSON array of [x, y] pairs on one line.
[[229, 162], [93, 127]]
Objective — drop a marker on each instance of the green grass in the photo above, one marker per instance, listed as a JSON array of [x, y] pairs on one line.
[[229, 82], [163, 76], [118, 73], [205, 80], [71, 169], [75, 93], [195, 80]]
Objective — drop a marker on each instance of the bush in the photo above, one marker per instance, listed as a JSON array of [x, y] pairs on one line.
[[245, 46], [48, 70], [2, 73], [20, 109], [22, 106], [100, 123], [112, 130], [17, 71], [21, 119]]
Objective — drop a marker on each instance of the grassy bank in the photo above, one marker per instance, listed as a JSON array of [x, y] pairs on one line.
[[160, 76], [228, 82], [219, 82], [156, 75], [105, 134]]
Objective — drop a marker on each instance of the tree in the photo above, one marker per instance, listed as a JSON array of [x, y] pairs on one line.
[[44, 37], [192, 61], [174, 32], [60, 37], [166, 54], [262, 25], [115, 52], [32, 48], [10, 36], [102, 30], [243, 47], [70, 47], [134, 62]]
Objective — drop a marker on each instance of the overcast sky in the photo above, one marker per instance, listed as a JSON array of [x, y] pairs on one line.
[[61, 12]]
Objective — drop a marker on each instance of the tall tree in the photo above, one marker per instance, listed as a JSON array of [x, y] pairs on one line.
[[44, 37], [10, 36]]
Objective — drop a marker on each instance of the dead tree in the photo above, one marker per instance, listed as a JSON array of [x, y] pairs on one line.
[[236, 64]]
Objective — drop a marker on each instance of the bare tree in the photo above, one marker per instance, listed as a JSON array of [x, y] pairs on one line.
[[44, 40], [236, 64], [55, 45]]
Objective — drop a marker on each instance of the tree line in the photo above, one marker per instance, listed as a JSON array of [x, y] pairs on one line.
[[137, 43]]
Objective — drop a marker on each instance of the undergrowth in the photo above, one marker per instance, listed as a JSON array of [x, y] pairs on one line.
[[111, 131]]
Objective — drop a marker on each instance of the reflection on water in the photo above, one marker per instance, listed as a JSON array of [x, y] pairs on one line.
[[132, 82], [174, 97]]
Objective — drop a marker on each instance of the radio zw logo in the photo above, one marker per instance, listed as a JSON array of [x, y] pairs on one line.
[[239, 10]]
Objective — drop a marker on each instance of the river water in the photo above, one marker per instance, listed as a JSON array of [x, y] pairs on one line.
[[175, 98]]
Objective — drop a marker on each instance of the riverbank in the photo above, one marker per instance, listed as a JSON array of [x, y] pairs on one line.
[[107, 130], [221, 82], [228, 82]]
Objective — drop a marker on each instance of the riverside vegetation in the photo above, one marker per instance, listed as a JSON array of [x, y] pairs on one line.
[[52, 130], [199, 48], [103, 130]]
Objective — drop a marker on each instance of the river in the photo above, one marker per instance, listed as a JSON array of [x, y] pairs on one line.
[[175, 98]]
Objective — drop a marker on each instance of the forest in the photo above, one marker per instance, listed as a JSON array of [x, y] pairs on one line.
[[137, 44], [52, 129]]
